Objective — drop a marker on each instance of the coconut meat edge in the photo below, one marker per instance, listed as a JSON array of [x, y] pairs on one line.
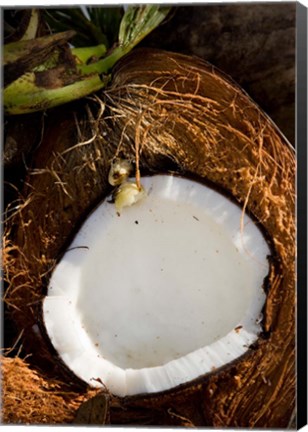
[[166, 291]]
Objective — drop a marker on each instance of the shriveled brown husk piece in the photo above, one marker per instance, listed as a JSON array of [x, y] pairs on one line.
[[166, 112]]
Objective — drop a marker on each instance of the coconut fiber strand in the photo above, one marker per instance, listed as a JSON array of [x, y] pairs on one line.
[[166, 112]]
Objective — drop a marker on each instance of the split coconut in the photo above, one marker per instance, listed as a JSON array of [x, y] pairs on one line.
[[167, 113], [167, 290]]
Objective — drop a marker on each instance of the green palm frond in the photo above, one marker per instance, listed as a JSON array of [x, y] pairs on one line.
[[101, 27], [45, 72]]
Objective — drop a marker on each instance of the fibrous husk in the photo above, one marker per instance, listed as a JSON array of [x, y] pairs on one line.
[[30, 398], [166, 112]]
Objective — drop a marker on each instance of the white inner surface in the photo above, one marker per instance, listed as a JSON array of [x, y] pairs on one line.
[[150, 299]]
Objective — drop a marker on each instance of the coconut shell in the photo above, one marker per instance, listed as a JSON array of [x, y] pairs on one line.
[[166, 112]]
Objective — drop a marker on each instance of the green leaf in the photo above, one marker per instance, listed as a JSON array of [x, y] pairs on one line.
[[89, 54], [16, 51], [108, 19], [88, 32], [25, 95], [138, 22], [32, 26], [58, 74]]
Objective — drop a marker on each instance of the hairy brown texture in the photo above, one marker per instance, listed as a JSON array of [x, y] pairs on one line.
[[253, 42], [29, 398], [167, 111]]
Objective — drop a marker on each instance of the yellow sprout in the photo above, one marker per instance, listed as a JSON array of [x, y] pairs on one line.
[[128, 194]]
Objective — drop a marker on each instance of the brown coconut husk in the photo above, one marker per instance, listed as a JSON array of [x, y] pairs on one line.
[[166, 112], [30, 398]]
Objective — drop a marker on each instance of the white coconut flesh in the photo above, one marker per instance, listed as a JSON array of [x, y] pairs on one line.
[[166, 292]]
